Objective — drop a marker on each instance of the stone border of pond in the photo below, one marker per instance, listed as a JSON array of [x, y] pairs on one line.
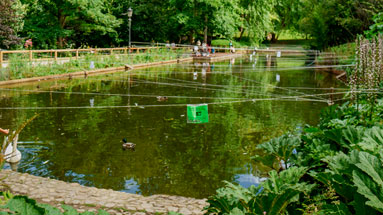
[[82, 198]]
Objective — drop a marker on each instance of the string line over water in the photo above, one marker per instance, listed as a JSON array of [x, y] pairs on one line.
[[288, 98]]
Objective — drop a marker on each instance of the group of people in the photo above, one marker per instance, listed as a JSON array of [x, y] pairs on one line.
[[203, 49]]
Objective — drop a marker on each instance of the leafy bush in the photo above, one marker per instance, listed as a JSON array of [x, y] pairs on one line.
[[24, 205], [332, 168], [377, 27]]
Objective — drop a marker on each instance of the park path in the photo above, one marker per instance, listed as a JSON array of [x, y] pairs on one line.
[[56, 192]]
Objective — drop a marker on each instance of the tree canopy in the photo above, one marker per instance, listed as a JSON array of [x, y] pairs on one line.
[[102, 23], [11, 22]]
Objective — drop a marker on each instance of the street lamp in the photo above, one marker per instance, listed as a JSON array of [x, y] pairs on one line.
[[130, 14]]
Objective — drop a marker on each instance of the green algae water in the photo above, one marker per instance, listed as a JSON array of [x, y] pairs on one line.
[[77, 135]]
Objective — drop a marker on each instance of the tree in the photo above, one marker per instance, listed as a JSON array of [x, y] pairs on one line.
[[256, 16], [288, 13], [10, 22], [334, 22], [203, 18], [54, 23]]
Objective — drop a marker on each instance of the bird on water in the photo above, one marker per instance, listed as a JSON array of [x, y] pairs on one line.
[[127, 145]]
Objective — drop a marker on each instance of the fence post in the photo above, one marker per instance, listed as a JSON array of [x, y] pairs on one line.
[[55, 55], [138, 50], [30, 55], [111, 52], [77, 54]]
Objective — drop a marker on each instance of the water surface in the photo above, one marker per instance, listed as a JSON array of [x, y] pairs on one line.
[[74, 141]]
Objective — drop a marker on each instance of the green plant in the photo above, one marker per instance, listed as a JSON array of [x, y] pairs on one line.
[[24, 205], [271, 197], [376, 28], [336, 168], [282, 149], [20, 67]]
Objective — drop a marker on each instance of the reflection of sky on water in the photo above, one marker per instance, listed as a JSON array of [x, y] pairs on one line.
[[246, 180], [131, 186], [30, 160]]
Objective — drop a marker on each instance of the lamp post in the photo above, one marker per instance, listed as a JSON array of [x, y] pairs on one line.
[[130, 14]]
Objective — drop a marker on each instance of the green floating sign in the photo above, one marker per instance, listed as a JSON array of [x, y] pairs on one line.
[[198, 113]]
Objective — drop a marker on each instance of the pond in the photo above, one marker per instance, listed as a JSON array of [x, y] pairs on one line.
[[81, 122]]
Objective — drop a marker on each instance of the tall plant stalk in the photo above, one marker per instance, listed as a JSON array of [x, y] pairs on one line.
[[367, 77]]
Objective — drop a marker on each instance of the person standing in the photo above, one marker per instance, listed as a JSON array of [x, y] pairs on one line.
[[232, 50]]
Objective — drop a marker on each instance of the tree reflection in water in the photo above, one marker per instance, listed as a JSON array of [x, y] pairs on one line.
[[171, 156]]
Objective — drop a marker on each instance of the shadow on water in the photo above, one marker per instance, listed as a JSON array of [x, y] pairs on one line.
[[171, 156]]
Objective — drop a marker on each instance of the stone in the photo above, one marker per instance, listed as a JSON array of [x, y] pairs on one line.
[[57, 192], [110, 205], [185, 211], [171, 208]]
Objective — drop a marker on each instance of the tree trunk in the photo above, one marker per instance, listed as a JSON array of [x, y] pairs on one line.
[[273, 37], [205, 31], [191, 39], [241, 35], [62, 21]]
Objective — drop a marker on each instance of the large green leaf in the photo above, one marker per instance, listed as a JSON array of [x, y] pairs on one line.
[[24, 205], [50, 210], [335, 209], [287, 179], [368, 179], [360, 206], [283, 148], [272, 203], [68, 210], [372, 140]]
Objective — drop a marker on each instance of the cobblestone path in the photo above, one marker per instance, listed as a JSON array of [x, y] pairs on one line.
[[83, 198]]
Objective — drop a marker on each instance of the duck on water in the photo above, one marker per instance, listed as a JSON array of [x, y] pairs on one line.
[[126, 145]]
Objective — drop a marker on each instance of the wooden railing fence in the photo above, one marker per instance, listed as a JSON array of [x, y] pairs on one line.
[[55, 52]]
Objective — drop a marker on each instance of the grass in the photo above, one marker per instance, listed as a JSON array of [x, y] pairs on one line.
[[291, 35], [20, 67], [344, 53], [347, 49], [225, 43]]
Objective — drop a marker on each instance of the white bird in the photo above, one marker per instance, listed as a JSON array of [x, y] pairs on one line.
[[12, 154]]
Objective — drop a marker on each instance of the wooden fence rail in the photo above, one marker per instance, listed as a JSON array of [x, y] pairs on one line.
[[77, 51]]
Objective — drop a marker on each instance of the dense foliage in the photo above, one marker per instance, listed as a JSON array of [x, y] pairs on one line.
[[25, 205], [332, 168], [102, 23], [10, 23]]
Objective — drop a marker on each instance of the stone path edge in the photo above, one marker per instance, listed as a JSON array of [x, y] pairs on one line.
[[55, 192]]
